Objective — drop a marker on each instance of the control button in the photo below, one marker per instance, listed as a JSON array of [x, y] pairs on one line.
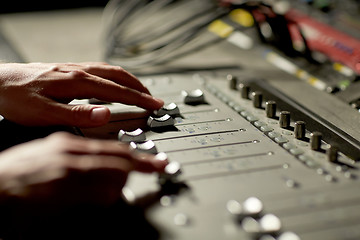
[[266, 129], [281, 139], [146, 147], [284, 121], [289, 146], [233, 81], [315, 140], [257, 98], [296, 151], [299, 129], [268, 224], [193, 97], [288, 236], [181, 219], [171, 109], [157, 122], [332, 154], [274, 134], [137, 135], [270, 109], [244, 91], [259, 124], [251, 207]]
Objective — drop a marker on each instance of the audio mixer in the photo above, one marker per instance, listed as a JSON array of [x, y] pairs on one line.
[[246, 162]]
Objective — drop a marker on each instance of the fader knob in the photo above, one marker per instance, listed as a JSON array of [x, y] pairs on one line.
[[270, 109], [284, 121], [157, 122], [257, 98], [299, 130], [171, 109], [193, 97], [315, 140], [146, 147], [244, 91], [137, 135], [170, 174]]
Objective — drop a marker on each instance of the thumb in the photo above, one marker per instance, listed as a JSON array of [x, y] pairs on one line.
[[82, 115]]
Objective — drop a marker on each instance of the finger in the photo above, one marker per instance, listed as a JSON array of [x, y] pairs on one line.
[[113, 73], [140, 161], [84, 85], [118, 75], [78, 115]]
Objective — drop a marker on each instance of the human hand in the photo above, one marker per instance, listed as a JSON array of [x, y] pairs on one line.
[[64, 170], [38, 93]]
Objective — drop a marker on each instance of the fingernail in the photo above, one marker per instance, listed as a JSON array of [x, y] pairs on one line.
[[98, 114]]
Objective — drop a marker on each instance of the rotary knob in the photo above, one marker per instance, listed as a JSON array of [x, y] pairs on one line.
[[284, 121], [193, 97], [160, 122], [244, 91], [332, 153], [270, 109], [233, 81], [137, 135], [171, 109], [299, 130], [315, 140], [257, 98], [146, 147]]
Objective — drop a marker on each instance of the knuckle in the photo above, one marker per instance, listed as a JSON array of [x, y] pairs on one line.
[[78, 74]]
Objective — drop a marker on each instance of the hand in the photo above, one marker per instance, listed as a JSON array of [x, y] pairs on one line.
[[38, 93], [64, 169]]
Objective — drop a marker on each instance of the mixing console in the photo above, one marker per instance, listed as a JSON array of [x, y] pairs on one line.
[[246, 162]]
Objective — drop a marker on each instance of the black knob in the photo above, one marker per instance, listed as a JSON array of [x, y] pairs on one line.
[[299, 129], [315, 140], [244, 91], [284, 121], [257, 98], [233, 81], [270, 109], [332, 153]]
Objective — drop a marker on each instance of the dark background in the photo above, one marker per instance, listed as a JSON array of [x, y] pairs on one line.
[[28, 5]]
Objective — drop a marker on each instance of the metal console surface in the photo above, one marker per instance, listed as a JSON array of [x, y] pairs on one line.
[[243, 176]]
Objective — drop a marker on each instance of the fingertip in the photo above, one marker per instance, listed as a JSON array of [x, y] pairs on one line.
[[99, 115]]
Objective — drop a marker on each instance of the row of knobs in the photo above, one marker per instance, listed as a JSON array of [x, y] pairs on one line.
[[284, 117]]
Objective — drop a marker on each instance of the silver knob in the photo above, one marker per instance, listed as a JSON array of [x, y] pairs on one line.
[[299, 129], [137, 135], [171, 109], [157, 122], [270, 109], [284, 121], [146, 147], [193, 97]]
